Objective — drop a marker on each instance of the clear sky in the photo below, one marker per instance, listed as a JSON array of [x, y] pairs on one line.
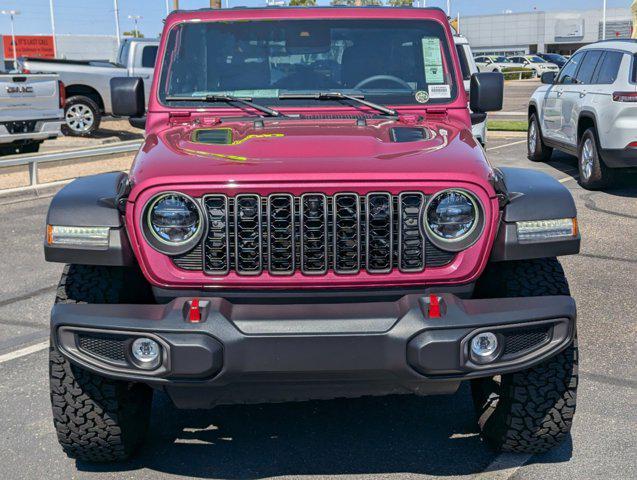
[[97, 17]]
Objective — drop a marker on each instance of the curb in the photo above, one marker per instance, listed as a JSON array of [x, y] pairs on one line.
[[21, 194]]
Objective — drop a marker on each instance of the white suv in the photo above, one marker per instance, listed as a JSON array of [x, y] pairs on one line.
[[535, 63], [468, 67], [589, 110]]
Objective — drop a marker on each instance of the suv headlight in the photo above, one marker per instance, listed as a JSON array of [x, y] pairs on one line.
[[172, 223], [453, 220]]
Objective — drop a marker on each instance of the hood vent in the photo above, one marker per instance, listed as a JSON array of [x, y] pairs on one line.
[[336, 117], [407, 134], [213, 136]]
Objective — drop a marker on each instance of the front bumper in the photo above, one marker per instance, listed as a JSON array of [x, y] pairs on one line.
[[250, 352]]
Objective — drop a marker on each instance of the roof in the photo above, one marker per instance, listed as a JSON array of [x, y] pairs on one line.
[[626, 44]]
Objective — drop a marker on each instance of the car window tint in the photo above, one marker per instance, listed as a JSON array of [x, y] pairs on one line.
[[567, 75], [149, 54], [589, 63], [464, 63], [634, 76], [609, 68]]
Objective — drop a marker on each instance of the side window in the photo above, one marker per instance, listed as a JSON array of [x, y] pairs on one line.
[[567, 75], [609, 68], [634, 74], [464, 63], [149, 54], [589, 64]]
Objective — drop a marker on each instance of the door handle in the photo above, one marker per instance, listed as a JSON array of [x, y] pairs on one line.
[[559, 92], [582, 94]]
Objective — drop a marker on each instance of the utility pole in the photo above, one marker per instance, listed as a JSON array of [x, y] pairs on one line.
[[167, 7], [604, 21], [135, 19], [12, 14], [55, 46], [175, 4], [448, 8], [117, 32]]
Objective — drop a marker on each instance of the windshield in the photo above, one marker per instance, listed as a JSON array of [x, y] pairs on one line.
[[392, 62], [501, 60], [554, 57], [536, 59]]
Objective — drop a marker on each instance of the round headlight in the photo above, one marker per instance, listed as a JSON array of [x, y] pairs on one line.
[[452, 220], [173, 223]]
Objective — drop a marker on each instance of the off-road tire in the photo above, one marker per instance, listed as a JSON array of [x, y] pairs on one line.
[[529, 411], [600, 174], [97, 419], [539, 153], [88, 103]]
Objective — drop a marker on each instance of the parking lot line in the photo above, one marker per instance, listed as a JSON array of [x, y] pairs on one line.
[[24, 351], [504, 466], [506, 145]]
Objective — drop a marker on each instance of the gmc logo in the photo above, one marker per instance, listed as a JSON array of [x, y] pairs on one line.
[[20, 89]]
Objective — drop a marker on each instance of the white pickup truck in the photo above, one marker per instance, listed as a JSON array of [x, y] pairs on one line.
[[88, 89], [31, 111]]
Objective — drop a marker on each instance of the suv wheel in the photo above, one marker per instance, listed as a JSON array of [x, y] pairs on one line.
[[529, 411], [593, 174], [537, 151], [82, 116], [97, 419]]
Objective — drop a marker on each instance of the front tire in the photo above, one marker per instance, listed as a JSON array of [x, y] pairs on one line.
[[529, 411], [82, 117], [97, 419], [593, 173], [537, 151]]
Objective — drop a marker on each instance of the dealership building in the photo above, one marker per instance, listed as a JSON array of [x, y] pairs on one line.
[[548, 32]]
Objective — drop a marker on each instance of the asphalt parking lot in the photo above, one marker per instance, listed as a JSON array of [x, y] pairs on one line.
[[371, 438]]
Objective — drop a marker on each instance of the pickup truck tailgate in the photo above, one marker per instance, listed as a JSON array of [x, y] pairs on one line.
[[29, 97]]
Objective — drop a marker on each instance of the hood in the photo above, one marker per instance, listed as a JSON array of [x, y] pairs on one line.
[[304, 150]]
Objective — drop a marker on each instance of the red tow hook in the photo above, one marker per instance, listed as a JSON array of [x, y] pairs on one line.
[[434, 306], [194, 315]]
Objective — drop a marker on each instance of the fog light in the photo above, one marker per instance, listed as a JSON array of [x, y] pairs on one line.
[[146, 351], [484, 345]]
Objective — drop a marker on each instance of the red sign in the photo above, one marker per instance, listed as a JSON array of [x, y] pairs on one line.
[[29, 46]]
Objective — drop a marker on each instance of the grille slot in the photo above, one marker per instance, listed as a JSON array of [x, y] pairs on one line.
[[108, 348], [411, 245], [281, 234], [248, 234], [380, 233], [520, 341], [347, 234], [217, 240], [313, 233]]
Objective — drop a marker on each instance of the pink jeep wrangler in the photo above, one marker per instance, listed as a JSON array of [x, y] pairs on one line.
[[309, 217]]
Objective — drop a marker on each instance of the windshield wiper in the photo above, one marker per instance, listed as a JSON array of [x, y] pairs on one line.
[[247, 101], [338, 96]]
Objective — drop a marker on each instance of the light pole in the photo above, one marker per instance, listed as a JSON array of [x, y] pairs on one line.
[[167, 7], [55, 46], [117, 32], [12, 14], [448, 8], [135, 19], [604, 21]]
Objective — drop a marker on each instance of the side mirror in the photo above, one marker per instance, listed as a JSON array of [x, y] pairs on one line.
[[548, 78], [487, 92], [127, 97]]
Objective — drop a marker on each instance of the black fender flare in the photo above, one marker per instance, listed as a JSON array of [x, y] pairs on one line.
[[91, 201], [531, 195]]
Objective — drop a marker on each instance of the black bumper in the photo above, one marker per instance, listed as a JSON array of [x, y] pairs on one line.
[[620, 158], [242, 353]]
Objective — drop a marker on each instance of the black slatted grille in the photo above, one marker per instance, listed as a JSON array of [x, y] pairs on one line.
[[113, 349], [313, 233], [516, 342]]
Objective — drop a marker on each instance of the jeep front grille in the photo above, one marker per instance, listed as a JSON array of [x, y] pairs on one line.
[[312, 234]]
